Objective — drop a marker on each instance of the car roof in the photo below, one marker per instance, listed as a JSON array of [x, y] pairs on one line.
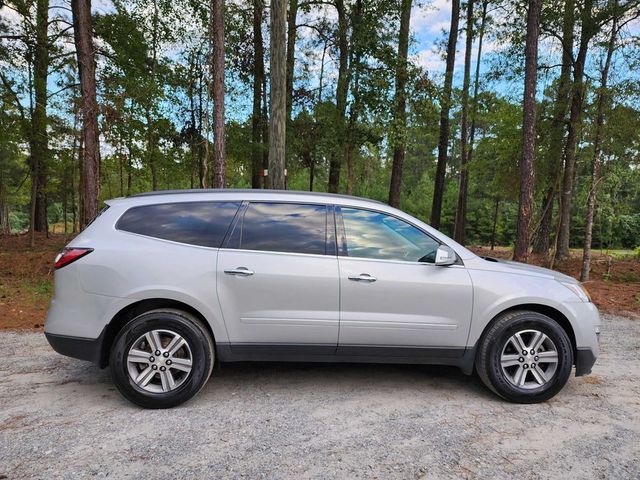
[[248, 194]]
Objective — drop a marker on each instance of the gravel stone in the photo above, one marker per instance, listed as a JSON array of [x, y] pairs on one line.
[[62, 418]]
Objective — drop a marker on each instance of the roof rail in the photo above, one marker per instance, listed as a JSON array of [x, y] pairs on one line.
[[248, 190]]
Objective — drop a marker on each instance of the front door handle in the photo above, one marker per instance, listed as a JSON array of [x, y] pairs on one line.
[[363, 277], [241, 271]]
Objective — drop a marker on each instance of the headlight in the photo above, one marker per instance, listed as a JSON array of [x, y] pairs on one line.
[[579, 290]]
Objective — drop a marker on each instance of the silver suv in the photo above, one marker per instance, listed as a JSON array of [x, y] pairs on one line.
[[162, 285]]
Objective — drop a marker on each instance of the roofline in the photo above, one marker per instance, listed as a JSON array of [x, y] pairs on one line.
[[252, 191]]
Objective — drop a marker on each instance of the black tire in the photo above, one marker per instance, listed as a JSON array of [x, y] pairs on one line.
[[199, 342], [493, 342]]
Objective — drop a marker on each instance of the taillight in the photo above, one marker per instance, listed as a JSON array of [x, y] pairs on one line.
[[70, 255]]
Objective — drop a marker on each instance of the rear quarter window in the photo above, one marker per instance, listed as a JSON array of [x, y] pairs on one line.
[[195, 223]]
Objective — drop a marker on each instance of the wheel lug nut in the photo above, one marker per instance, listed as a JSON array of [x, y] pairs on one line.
[[169, 362], [165, 354], [162, 369], [524, 352], [155, 367], [152, 359], [525, 366], [535, 358], [157, 353], [521, 359], [533, 352], [533, 365]]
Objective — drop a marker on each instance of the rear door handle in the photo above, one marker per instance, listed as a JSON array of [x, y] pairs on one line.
[[363, 277], [241, 271]]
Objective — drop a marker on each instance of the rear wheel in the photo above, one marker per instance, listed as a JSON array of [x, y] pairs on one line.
[[162, 358], [525, 357]]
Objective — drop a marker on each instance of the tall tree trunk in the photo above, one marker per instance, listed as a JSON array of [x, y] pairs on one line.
[[202, 97], [494, 227], [400, 114], [476, 82], [87, 72], [603, 100], [355, 67], [575, 117], [278, 97], [527, 163], [443, 142], [217, 65], [258, 78], [342, 88], [151, 141], [265, 133], [557, 132], [5, 227], [39, 141], [292, 31], [461, 210]]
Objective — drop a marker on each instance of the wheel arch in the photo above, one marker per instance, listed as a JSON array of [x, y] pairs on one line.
[[132, 310], [547, 310]]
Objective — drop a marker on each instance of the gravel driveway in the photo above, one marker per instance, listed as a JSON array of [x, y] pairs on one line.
[[62, 418]]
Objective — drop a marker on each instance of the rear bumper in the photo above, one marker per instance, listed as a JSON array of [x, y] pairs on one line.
[[585, 358], [89, 349]]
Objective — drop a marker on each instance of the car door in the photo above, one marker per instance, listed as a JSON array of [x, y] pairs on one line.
[[278, 283], [394, 299]]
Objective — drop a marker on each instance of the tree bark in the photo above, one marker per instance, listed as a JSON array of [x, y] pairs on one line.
[[91, 136], [342, 88], [461, 210], [292, 16], [527, 163], [575, 117], [258, 78], [557, 132], [278, 97], [603, 100], [217, 67], [400, 115], [39, 139], [443, 142]]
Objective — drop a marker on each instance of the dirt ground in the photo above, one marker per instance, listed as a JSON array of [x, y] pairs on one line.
[[62, 418], [26, 279]]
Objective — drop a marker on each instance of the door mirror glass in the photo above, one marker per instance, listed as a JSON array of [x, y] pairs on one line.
[[445, 256]]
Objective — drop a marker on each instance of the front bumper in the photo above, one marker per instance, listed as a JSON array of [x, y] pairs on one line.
[[89, 349], [585, 358]]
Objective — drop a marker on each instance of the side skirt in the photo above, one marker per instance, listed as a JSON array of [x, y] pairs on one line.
[[460, 357]]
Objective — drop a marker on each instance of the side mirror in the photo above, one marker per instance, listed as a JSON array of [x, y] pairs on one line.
[[445, 256]]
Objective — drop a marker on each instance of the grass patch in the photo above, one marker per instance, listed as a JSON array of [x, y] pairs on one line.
[[38, 288]]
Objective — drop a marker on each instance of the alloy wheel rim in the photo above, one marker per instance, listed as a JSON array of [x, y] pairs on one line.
[[159, 361], [529, 359]]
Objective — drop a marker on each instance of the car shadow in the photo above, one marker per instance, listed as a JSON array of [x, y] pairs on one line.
[[338, 376], [282, 378]]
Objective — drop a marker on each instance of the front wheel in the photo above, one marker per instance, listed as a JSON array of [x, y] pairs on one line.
[[161, 358], [525, 357]]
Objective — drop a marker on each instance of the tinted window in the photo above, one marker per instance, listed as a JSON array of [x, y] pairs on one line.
[[197, 223], [376, 235], [284, 227]]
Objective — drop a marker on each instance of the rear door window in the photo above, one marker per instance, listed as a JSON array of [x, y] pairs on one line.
[[196, 223], [284, 227]]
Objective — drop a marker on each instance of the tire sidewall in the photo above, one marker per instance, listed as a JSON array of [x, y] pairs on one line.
[[200, 352], [530, 321]]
